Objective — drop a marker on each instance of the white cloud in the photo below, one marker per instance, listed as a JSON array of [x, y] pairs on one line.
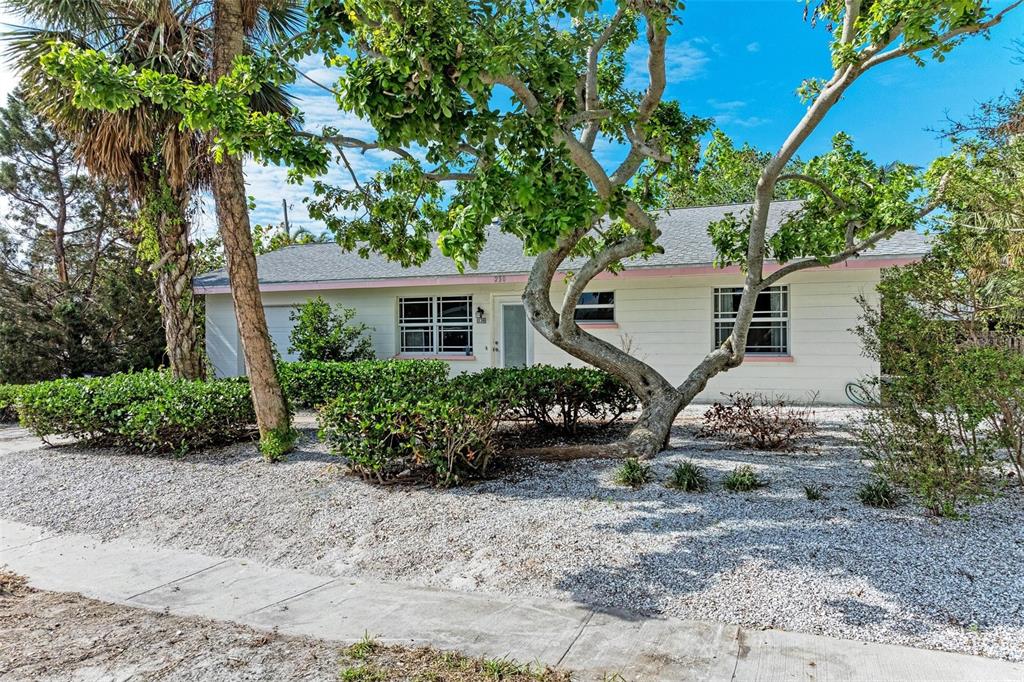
[[754, 47], [683, 61], [728, 105], [729, 113]]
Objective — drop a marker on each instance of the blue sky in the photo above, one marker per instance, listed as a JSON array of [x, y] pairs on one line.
[[740, 61]]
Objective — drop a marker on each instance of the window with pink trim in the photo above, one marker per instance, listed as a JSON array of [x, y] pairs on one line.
[[596, 307], [435, 325], [769, 328]]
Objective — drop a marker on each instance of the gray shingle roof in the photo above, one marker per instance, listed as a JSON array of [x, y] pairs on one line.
[[684, 238]]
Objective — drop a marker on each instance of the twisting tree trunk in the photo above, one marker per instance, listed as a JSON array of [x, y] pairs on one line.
[[660, 400], [233, 221], [174, 272]]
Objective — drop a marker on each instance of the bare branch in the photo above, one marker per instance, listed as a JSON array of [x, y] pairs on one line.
[[592, 101]]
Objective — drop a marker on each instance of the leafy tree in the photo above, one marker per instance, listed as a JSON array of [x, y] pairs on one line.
[[954, 401], [323, 333], [143, 146], [77, 299], [727, 175], [435, 75]]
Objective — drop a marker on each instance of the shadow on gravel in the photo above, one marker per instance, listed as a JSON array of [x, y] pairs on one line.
[[831, 560]]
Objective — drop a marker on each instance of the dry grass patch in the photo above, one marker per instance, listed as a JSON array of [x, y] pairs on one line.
[[371, 661]]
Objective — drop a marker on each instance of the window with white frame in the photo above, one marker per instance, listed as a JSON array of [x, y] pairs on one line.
[[434, 325], [598, 306], [769, 327]]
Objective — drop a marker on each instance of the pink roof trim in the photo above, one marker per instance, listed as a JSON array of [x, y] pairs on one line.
[[665, 271]]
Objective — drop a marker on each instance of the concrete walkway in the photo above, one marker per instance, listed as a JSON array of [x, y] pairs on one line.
[[592, 643]]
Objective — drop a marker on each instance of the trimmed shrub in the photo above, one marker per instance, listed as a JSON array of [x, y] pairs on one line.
[[752, 420], [688, 478], [554, 397], [145, 411], [328, 334], [385, 436], [743, 479], [316, 383], [9, 403], [633, 473]]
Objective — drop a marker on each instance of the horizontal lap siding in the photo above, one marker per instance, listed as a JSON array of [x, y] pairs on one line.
[[667, 322]]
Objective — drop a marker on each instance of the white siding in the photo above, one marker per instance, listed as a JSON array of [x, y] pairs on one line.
[[666, 321]]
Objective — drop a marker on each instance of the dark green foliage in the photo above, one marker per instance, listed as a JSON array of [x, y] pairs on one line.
[[145, 411], [743, 479], [76, 296], [315, 383], [633, 473], [386, 433], [688, 478], [328, 335], [952, 407], [753, 420], [814, 493], [8, 403], [556, 397], [879, 493]]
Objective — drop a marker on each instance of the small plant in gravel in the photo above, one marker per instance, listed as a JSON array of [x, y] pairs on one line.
[[688, 477], [879, 493], [743, 479], [756, 421], [633, 473], [814, 492]]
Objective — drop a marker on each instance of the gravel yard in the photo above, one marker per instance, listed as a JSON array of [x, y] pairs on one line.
[[767, 558]]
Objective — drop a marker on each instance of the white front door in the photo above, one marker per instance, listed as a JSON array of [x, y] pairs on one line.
[[514, 341]]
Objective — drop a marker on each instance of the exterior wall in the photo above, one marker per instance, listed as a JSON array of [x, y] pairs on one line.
[[665, 320]]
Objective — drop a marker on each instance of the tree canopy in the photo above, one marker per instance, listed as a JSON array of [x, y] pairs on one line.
[[492, 110]]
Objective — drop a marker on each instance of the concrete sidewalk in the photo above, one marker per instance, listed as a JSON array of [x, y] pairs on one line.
[[592, 643]]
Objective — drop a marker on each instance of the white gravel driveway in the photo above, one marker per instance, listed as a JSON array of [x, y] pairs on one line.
[[768, 558]]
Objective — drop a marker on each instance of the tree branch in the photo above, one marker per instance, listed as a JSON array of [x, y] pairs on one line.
[[882, 57], [817, 183], [592, 101]]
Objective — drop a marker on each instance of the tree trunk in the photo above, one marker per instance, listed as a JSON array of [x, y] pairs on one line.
[[233, 221], [174, 289]]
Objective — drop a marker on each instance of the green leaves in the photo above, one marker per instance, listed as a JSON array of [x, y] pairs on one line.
[[845, 195]]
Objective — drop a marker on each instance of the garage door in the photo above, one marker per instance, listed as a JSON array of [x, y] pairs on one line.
[[280, 327]]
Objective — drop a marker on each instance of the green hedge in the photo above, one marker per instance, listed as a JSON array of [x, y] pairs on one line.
[[414, 423], [555, 397], [316, 383], [384, 436], [9, 403], [145, 411]]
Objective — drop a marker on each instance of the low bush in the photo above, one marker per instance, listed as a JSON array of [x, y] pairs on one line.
[[145, 411], [743, 479], [315, 383], [753, 420], [554, 397], [9, 403], [688, 477], [384, 436], [879, 493], [633, 473]]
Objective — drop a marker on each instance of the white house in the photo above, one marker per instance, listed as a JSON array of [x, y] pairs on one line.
[[668, 310]]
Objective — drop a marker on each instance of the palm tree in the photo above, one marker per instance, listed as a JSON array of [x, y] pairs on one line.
[[144, 147]]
